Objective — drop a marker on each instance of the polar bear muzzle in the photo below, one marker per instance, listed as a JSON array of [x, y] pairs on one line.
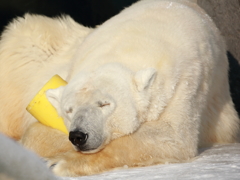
[[87, 129]]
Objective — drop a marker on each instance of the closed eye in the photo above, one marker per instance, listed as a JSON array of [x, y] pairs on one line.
[[69, 110], [102, 104]]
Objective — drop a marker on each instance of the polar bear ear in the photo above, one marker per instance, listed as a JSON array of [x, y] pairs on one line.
[[54, 97], [144, 78]]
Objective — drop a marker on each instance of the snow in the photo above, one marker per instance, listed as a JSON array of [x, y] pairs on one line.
[[220, 162]]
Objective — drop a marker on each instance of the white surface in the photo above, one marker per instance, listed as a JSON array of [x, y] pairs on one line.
[[219, 162]]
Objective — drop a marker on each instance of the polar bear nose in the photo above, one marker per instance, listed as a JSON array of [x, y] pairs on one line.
[[78, 138]]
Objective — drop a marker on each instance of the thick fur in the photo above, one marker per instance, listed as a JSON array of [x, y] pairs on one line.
[[32, 50], [158, 70]]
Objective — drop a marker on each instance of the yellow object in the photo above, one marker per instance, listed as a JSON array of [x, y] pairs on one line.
[[43, 110]]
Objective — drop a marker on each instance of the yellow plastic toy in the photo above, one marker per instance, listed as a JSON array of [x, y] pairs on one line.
[[42, 109]]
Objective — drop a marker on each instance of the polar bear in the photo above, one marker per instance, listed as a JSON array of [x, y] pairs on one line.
[[147, 86]]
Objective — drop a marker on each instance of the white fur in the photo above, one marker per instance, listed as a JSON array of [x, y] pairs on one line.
[[160, 66], [32, 50], [191, 87]]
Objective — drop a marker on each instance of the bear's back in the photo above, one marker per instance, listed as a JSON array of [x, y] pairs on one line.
[[156, 34]]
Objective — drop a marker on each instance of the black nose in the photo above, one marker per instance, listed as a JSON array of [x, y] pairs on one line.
[[78, 138]]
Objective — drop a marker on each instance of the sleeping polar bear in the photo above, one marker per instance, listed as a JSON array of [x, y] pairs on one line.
[[148, 86]]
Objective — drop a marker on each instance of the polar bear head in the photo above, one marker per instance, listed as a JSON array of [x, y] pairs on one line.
[[103, 105]]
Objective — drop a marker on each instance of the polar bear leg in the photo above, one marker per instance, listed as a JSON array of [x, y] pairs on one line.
[[133, 150], [45, 141], [127, 151], [220, 122]]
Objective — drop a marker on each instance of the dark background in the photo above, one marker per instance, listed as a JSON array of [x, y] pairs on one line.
[[91, 13], [87, 12]]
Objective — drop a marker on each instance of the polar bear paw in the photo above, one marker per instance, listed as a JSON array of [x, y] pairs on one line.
[[65, 164]]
